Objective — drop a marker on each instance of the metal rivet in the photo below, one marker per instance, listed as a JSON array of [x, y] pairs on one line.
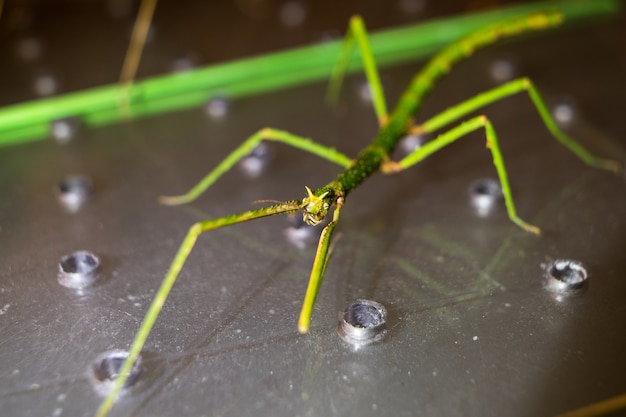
[[484, 195], [73, 191], [106, 368], [78, 270], [364, 322], [565, 277]]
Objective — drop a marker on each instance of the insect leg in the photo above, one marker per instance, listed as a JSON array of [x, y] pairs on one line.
[[245, 148], [492, 144], [322, 256], [170, 278], [358, 32], [513, 87]]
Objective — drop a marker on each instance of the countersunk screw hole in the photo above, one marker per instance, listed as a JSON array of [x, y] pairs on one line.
[[363, 323], [565, 277], [64, 130], [298, 232], [73, 191], [78, 270], [106, 368], [255, 163], [484, 195], [218, 107]]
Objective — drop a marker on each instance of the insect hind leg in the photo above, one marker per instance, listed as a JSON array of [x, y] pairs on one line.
[[357, 32], [458, 132]]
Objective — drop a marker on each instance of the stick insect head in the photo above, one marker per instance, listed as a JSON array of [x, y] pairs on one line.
[[315, 207]]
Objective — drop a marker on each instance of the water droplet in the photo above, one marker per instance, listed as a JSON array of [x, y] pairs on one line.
[[565, 277], [106, 369], [73, 191], [78, 270], [484, 193], [362, 323]]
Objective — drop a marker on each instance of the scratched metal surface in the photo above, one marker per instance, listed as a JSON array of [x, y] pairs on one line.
[[471, 329]]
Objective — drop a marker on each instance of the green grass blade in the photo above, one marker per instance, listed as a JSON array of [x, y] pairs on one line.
[[30, 121]]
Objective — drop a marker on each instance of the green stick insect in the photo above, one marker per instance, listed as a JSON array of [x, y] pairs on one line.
[[318, 203]]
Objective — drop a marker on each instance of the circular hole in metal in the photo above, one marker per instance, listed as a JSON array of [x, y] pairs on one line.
[[29, 48], [73, 191], [411, 7], [484, 195], [78, 270], [365, 92], [218, 107], [256, 161], [298, 232], [184, 63], [565, 111], [565, 277], [64, 130], [502, 69], [362, 323], [106, 369], [45, 84], [292, 14], [410, 143]]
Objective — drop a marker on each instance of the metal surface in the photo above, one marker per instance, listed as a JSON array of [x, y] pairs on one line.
[[471, 330]]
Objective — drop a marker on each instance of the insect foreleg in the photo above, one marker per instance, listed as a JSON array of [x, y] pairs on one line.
[[322, 256], [170, 278]]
